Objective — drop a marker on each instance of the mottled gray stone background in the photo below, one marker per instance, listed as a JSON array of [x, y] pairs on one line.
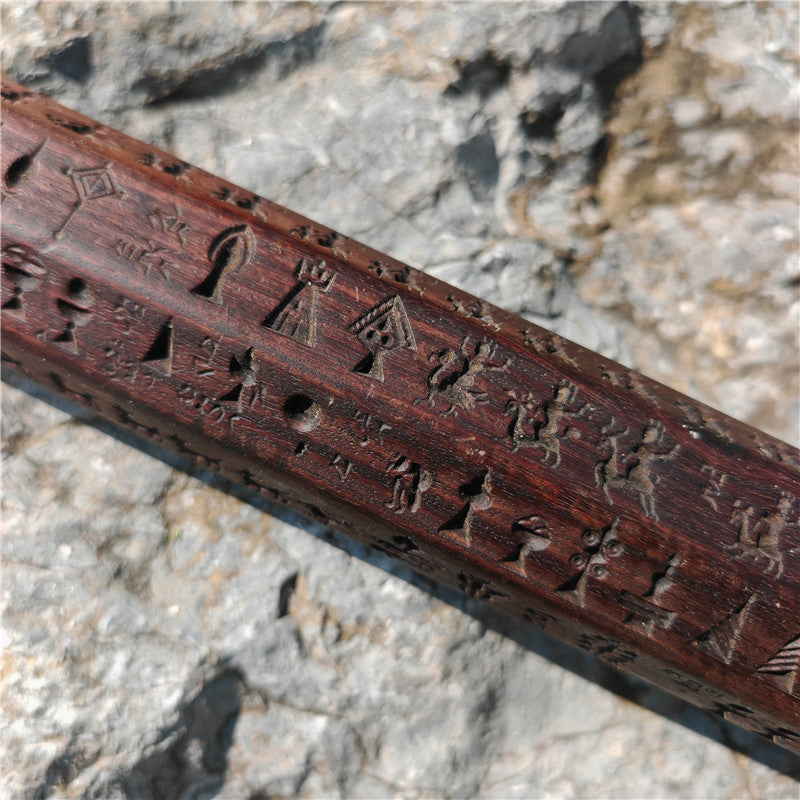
[[624, 174]]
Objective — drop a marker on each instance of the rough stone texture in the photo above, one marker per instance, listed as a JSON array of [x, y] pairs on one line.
[[627, 176]]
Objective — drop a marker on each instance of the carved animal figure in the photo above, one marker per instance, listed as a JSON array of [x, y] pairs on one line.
[[632, 466], [550, 421], [454, 376]]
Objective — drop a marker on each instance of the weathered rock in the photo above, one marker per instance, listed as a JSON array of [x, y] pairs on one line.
[[624, 175]]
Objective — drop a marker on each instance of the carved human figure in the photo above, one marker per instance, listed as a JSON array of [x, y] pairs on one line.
[[625, 466], [760, 532], [410, 482], [543, 423]]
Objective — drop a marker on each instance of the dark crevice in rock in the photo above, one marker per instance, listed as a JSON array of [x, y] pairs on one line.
[[230, 72], [618, 37], [74, 60], [477, 161], [608, 79], [285, 595], [482, 75], [541, 123], [190, 756], [63, 769], [598, 157]]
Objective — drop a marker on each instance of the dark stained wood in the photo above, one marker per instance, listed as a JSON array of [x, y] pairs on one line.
[[485, 452]]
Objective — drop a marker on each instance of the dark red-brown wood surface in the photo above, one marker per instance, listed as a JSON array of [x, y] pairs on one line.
[[482, 450]]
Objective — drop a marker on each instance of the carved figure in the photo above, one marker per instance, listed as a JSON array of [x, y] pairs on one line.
[[75, 309], [477, 494], [606, 648], [410, 482], [534, 536], [167, 222], [721, 639], [92, 183], [296, 315], [162, 350], [382, 330], [626, 466], [478, 587], [231, 250], [24, 270], [760, 532], [243, 370], [783, 669], [598, 548], [454, 376], [646, 609], [544, 423]]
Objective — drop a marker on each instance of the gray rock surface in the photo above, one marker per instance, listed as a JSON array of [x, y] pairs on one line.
[[625, 175]]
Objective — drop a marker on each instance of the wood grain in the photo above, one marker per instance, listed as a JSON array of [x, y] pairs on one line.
[[483, 451]]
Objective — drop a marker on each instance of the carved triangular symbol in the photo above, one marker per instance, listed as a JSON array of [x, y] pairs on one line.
[[295, 316], [160, 353], [720, 641], [784, 667], [459, 525], [382, 330]]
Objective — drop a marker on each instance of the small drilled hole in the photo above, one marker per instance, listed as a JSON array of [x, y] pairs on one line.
[[302, 413]]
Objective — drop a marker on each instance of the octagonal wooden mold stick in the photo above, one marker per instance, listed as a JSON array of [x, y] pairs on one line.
[[483, 451]]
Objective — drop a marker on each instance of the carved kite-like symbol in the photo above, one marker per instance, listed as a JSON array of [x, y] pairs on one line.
[[296, 315], [382, 330], [92, 183]]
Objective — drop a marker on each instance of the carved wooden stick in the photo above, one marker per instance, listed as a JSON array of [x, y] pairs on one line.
[[483, 451]]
